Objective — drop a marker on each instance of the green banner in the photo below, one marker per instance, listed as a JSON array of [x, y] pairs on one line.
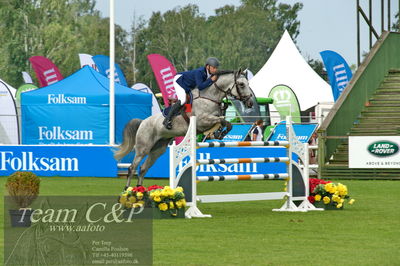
[[24, 88], [285, 102]]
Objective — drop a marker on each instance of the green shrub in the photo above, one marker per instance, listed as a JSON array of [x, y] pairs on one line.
[[23, 187]]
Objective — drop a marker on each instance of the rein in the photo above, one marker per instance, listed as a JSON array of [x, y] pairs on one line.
[[227, 92]]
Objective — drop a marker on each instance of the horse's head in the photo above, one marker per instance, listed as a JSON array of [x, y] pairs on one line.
[[241, 89]]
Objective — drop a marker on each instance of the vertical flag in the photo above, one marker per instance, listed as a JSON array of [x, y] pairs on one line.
[[164, 72], [102, 63], [87, 60], [338, 70], [27, 78], [9, 131], [46, 71], [155, 109], [285, 102]]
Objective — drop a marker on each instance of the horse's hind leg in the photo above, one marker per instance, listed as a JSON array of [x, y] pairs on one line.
[[158, 149], [132, 169]]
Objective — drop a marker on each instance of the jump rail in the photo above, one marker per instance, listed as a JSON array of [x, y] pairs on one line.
[[297, 185]]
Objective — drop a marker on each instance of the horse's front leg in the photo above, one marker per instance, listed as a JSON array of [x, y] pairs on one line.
[[226, 127], [207, 122]]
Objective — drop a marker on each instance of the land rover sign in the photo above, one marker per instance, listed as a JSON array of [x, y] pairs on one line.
[[374, 152], [383, 148]]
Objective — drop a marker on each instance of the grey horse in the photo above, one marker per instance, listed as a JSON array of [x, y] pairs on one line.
[[150, 138]]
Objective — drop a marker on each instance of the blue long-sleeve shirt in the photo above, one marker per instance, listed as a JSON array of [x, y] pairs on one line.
[[196, 78]]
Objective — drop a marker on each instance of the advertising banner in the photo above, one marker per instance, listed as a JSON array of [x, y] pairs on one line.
[[61, 160], [303, 132], [102, 63], [161, 167], [155, 109], [164, 72], [338, 70], [87, 60], [46, 71], [374, 152], [27, 78], [285, 102]]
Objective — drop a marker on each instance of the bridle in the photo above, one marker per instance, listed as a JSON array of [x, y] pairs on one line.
[[228, 92]]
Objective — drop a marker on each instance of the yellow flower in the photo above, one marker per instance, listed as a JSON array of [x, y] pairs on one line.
[[342, 189], [183, 202], [171, 205], [170, 192], [178, 204], [164, 193], [167, 187], [339, 205], [139, 195], [123, 199], [341, 201], [156, 193], [326, 200], [129, 189], [179, 189], [132, 199], [352, 201], [163, 206], [317, 197], [128, 204], [157, 199]]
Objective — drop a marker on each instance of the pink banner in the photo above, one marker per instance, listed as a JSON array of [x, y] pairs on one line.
[[46, 71], [164, 72]]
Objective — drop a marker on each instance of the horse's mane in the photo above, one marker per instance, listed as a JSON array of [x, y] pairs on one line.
[[224, 72]]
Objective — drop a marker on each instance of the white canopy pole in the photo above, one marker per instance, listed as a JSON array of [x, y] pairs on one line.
[[112, 74]]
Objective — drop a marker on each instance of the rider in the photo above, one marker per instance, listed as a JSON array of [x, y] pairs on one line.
[[184, 82]]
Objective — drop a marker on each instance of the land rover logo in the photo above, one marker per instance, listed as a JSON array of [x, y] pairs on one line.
[[383, 148]]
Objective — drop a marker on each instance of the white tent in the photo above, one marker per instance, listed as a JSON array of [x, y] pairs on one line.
[[287, 66], [9, 133]]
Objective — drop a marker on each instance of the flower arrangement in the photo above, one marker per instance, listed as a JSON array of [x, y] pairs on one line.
[[330, 194], [166, 198], [133, 197], [163, 198]]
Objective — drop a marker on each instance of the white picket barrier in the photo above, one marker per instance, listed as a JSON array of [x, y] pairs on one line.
[[297, 185]]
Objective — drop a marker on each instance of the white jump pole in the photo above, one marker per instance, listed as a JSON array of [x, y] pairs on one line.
[[112, 75]]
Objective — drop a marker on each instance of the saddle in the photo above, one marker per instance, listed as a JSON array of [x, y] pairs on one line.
[[185, 110]]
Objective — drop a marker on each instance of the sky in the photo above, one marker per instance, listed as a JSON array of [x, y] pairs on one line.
[[324, 24]]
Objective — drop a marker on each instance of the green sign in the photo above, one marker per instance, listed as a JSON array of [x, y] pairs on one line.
[[383, 148], [285, 102], [24, 88]]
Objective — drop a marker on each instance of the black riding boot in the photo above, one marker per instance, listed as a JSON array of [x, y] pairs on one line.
[[172, 112]]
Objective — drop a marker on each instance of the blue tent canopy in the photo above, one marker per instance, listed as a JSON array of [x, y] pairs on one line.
[[75, 110]]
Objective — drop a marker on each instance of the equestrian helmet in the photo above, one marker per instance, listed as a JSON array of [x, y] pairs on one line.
[[212, 61]]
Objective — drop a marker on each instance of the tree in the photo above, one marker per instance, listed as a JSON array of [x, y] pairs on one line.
[[55, 29], [243, 36]]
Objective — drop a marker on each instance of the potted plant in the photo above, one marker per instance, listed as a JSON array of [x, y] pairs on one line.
[[23, 188]]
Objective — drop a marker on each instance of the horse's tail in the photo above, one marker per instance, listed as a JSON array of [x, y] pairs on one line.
[[129, 139]]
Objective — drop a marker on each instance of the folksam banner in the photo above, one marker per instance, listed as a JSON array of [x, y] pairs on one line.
[[303, 132], [46, 71], [102, 63], [338, 70], [9, 131], [285, 102], [62, 160], [164, 72]]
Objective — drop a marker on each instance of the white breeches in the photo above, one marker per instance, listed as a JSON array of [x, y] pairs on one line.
[[180, 92]]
